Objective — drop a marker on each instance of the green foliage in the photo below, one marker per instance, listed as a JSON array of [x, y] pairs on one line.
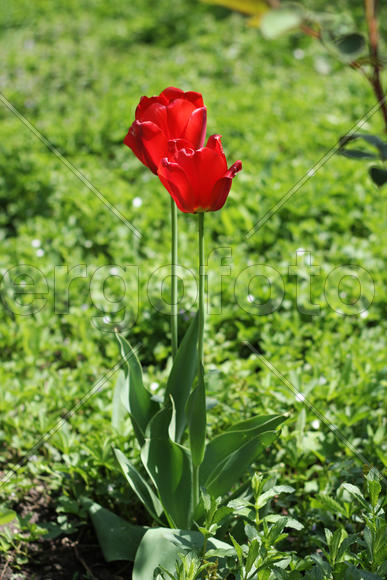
[[76, 70], [118, 539], [378, 174], [140, 487], [182, 376], [169, 464], [162, 548], [229, 454], [137, 400]]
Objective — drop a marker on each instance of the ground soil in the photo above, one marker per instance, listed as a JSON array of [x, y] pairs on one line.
[[73, 557]]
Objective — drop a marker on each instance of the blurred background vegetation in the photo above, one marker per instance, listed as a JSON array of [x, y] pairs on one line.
[[76, 70]]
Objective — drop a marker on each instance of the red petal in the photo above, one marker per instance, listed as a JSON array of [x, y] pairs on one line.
[[179, 112], [195, 130], [195, 98], [223, 186], [212, 166], [148, 142], [215, 142], [174, 146], [176, 182], [143, 105], [220, 193], [133, 141], [155, 113], [171, 93], [203, 167], [237, 166], [155, 144]]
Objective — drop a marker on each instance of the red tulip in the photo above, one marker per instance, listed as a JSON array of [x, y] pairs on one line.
[[198, 180], [172, 115]]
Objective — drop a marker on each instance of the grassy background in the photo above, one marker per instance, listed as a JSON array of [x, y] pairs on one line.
[[76, 70]]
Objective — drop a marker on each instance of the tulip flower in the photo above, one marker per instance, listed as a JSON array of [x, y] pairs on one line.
[[197, 179], [171, 115]]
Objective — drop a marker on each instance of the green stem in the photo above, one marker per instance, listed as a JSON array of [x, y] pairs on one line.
[[174, 279], [195, 486], [201, 296], [202, 274], [205, 542]]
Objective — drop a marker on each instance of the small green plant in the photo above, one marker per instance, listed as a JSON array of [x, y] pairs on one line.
[[188, 567], [378, 173]]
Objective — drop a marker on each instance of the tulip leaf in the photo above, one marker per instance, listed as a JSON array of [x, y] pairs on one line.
[[118, 539], [138, 400], [169, 466], [231, 440], [196, 411], [140, 486], [161, 547], [378, 175], [281, 20], [257, 425], [182, 375], [118, 412], [235, 464]]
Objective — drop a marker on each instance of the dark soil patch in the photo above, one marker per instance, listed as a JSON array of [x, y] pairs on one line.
[[67, 558], [72, 557]]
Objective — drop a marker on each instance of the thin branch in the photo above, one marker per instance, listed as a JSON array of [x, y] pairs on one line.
[[310, 31], [357, 66], [5, 568], [82, 561], [373, 38]]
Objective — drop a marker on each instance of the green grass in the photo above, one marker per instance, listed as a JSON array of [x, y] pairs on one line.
[[76, 70]]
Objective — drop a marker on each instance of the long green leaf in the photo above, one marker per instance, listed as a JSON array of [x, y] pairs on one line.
[[235, 464], [140, 486], [119, 411], [140, 404], [182, 375], [169, 466], [118, 539], [237, 435], [257, 425], [161, 547], [196, 412]]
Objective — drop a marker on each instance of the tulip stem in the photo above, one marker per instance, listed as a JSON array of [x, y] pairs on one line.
[[202, 275], [201, 386], [174, 331]]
